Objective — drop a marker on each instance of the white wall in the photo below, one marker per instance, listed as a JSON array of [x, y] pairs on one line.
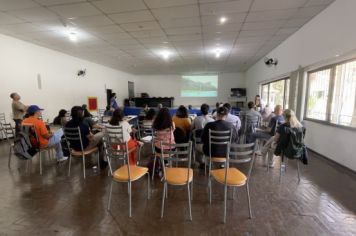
[[328, 34], [170, 86], [61, 88]]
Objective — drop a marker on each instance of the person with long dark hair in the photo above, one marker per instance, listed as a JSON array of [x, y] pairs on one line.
[[61, 118], [149, 118], [164, 127], [89, 140], [117, 120]]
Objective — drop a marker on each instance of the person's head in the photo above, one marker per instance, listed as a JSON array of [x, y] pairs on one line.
[[204, 109], [117, 117], [150, 114], [145, 107], [15, 96], [250, 105], [84, 106], [257, 99], [113, 95], [62, 113], [190, 107], [182, 112], [217, 105], [163, 119], [159, 106], [221, 113], [278, 110], [34, 110], [291, 118], [77, 113], [227, 106]]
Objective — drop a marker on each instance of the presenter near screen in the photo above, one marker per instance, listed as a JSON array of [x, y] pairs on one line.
[[113, 102]]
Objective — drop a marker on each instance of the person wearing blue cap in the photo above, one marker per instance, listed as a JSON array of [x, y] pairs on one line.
[[46, 138]]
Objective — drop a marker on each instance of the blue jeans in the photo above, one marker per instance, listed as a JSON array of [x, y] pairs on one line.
[[55, 141]]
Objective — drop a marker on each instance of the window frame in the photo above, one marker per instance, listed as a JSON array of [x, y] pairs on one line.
[[332, 80], [285, 78]]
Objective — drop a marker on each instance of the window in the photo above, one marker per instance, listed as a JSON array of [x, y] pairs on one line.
[[331, 94], [276, 93]]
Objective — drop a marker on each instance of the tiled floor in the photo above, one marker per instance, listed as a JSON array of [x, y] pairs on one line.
[[323, 203]]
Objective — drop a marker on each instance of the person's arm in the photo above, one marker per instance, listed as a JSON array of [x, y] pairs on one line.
[[44, 132], [19, 106]]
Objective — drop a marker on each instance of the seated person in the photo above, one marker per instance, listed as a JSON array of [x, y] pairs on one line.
[[143, 112], [234, 120], [267, 133], [164, 128], [219, 125], [46, 138], [217, 105], [86, 112], [149, 118], [252, 114], [200, 121], [89, 140], [117, 120], [61, 119], [267, 114], [108, 111], [280, 139], [88, 120], [182, 121]]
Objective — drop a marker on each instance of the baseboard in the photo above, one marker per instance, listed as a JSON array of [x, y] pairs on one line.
[[334, 163]]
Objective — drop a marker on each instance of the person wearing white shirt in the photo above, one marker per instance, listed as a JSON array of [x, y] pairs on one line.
[[200, 121], [235, 120]]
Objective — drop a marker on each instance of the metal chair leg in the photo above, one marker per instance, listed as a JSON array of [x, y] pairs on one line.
[[109, 201], [298, 169], [154, 167], [191, 189], [189, 203], [40, 156], [148, 186], [225, 202], [130, 199], [98, 160], [69, 164], [9, 161], [210, 189], [163, 197], [249, 200], [84, 166]]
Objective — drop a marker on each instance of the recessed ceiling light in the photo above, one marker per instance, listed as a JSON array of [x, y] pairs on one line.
[[165, 54], [217, 53], [72, 36], [222, 20], [337, 55], [165, 42]]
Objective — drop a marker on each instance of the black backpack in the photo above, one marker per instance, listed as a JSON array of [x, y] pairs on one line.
[[296, 148], [23, 148]]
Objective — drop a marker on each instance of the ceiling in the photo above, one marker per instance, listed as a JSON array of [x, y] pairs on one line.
[[159, 36]]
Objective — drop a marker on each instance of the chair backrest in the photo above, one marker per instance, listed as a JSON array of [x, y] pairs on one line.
[[101, 112], [73, 135], [145, 129], [242, 153], [250, 124], [8, 130], [220, 138], [116, 149], [181, 152], [2, 118], [115, 133]]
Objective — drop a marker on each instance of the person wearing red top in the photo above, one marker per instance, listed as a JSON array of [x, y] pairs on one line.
[[46, 138]]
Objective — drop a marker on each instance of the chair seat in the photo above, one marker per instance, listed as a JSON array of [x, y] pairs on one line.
[[85, 152], [218, 159], [178, 176], [136, 172], [234, 176]]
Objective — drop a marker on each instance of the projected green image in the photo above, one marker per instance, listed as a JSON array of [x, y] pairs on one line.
[[199, 86]]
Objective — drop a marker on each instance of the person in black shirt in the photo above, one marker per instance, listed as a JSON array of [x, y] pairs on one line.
[[89, 140], [219, 125], [61, 118]]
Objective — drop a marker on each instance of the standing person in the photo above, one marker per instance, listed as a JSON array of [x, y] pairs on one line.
[[234, 120], [258, 103], [18, 110], [113, 102], [46, 138]]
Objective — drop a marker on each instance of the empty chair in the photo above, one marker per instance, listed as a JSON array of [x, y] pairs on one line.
[[197, 143], [113, 134], [145, 136], [126, 173], [177, 176], [9, 133], [2, 118], [73, 135], [231, 176]]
